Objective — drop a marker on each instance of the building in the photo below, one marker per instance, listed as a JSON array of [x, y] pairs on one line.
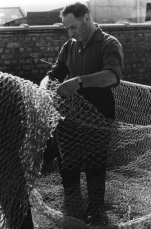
[[109, 11], [44, 18], [102, 11], [13, 17], [8, 14]]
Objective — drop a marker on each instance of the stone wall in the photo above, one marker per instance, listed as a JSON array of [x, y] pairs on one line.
[[18, 43]]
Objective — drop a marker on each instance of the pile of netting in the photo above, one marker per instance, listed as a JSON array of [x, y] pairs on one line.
[[27, 119], [29, 116], [127, 140]]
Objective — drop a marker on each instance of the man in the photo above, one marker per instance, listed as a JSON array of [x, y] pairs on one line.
[[90, 63]]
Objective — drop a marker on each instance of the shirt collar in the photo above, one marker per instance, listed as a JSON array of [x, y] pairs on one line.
[[97, 36]]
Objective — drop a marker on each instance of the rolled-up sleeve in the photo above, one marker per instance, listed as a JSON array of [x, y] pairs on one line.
[[113, 58]]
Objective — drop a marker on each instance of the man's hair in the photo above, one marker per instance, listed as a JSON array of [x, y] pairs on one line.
[[78, 9]]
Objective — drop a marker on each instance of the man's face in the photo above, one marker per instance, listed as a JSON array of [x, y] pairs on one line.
[[77, 28]]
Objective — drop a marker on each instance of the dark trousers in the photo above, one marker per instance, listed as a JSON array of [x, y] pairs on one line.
[[83, 146], [95, 177]]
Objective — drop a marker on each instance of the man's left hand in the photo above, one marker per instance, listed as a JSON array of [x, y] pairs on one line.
[[68, 88]]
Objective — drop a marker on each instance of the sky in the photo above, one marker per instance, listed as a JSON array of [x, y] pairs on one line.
[[36, 5]]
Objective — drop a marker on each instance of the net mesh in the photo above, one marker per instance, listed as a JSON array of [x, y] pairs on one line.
[[25, 126], [88, 142]]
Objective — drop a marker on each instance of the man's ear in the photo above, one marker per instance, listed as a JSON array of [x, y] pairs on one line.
[[87, 17]]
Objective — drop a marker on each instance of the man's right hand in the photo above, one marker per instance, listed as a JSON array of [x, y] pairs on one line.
[[45, 82]]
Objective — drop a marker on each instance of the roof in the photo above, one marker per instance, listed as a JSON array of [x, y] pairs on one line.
[[10, 13], [43, 18], [46, 17]]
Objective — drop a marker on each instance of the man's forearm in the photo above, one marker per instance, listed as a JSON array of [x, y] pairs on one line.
[[100, 79]]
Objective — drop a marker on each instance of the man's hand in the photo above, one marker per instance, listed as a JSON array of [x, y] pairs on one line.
[[45, 82], [68, 88]]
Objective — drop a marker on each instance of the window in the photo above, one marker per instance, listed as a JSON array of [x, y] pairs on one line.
[[148, 12]]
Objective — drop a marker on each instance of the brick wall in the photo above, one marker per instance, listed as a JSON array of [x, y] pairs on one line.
[[17, 43], [136, 42]]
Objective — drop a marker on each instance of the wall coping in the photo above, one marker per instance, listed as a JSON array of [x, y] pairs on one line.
[[55, 27]]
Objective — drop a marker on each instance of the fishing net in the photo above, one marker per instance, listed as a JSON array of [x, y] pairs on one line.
[[88, 143], [87, 140], [25, 126]]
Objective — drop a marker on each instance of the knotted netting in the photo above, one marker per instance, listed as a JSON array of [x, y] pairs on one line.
[[25, 126], [86, 140]]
